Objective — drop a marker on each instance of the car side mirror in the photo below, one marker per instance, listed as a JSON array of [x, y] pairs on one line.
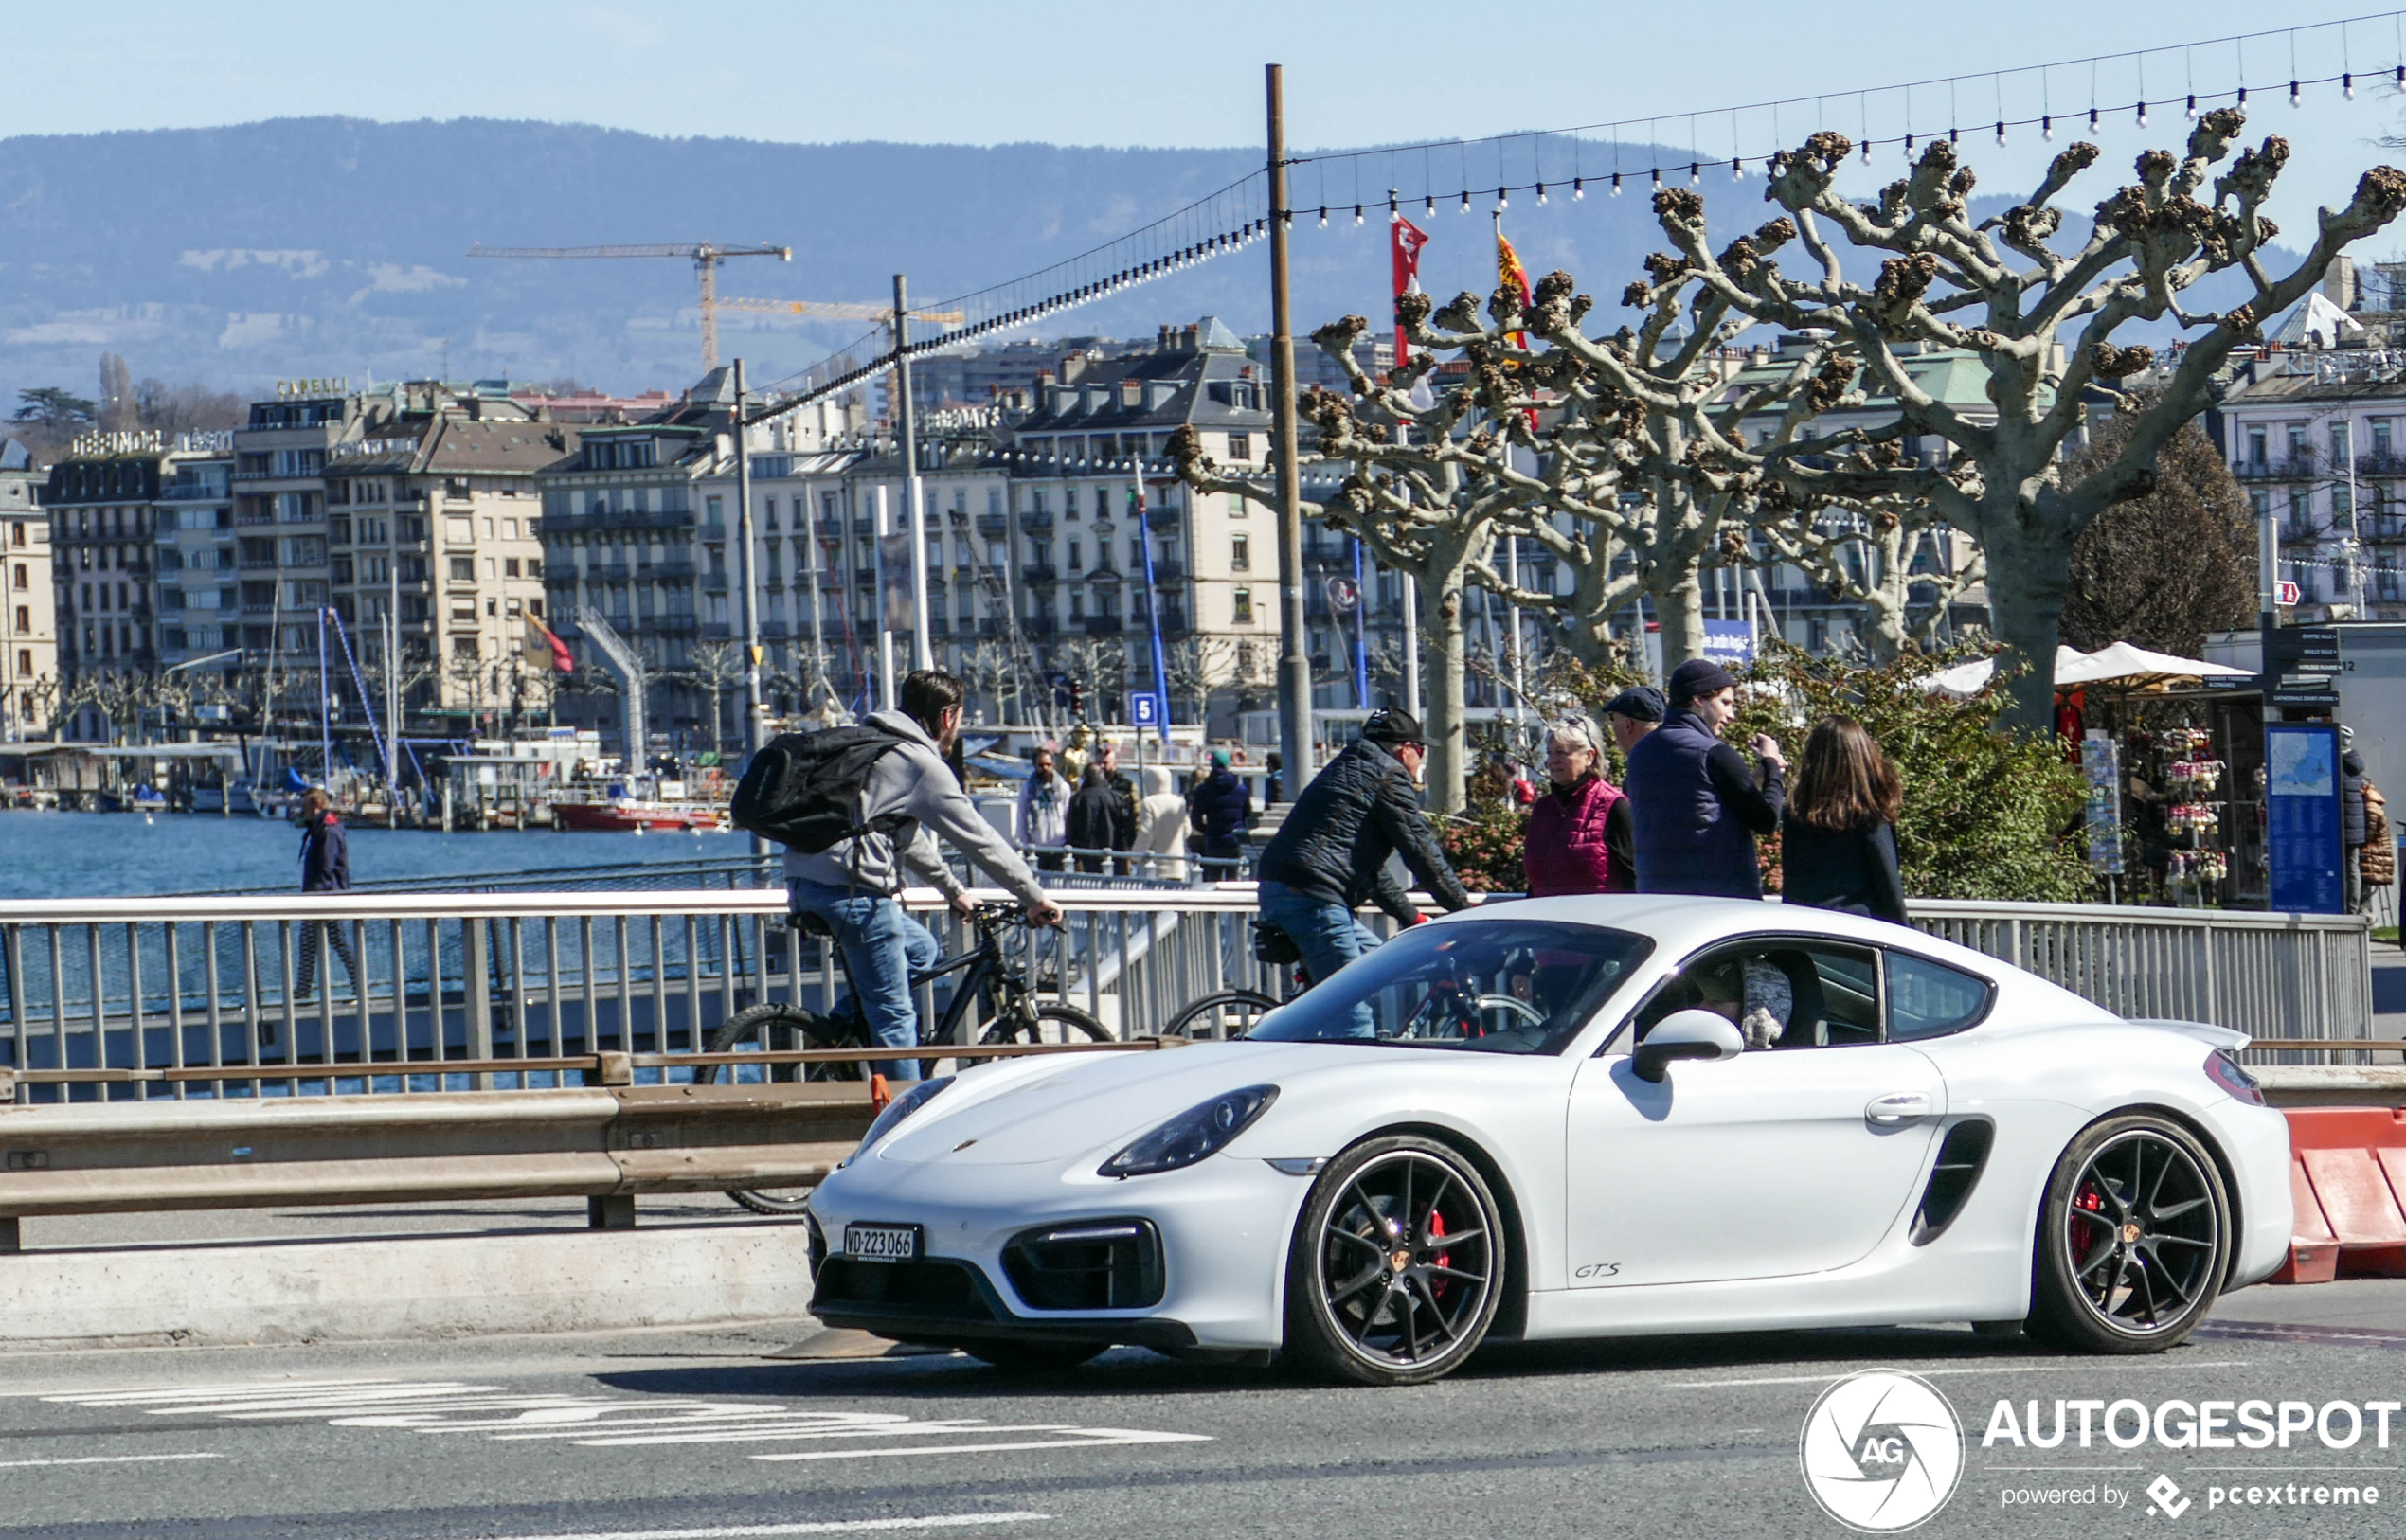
[[1686, 1035]]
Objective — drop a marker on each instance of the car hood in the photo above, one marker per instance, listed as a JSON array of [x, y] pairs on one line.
[[1067, 1105]]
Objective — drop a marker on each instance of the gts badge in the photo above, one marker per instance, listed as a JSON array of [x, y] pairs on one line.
[[1595, 1270]]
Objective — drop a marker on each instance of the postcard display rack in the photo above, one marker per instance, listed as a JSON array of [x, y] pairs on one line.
[[2194, 781]]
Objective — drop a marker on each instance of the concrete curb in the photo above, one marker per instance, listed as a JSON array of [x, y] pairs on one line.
[[413, 1287]]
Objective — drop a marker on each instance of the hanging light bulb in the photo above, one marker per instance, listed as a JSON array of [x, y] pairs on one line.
[[2001, 130], [1357, 214], [1541, 195], [1466, 200], [2092, 120], [1658, 175], [1504, 198], [2047, 128], [2401, 80], [2193, 105], [1432, 209], [1393, 209], [1867, 152], [2295, 99], [1738, 169], [1323, 215], [2348, 84], [1696, 173], [1616, 184], [1954, 136], [2142, 110], [1578, 189], [1908, 146]]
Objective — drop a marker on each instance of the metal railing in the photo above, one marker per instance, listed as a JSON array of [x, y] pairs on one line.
[[408, 992]]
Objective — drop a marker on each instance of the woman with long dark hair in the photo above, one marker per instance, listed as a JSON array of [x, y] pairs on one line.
[[1838, 844]]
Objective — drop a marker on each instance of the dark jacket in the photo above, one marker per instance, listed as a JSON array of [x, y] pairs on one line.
[[1854, 869], [1360, 810], [1123, 831], [2354, 829], [1698, 811], [1095, 817], [325, 856], [1220, 807]]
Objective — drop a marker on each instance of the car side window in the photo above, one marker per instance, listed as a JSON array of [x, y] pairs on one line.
[[1929, 999], [1781, 993]]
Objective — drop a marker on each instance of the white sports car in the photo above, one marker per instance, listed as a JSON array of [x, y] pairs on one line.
[[1573, 1118]]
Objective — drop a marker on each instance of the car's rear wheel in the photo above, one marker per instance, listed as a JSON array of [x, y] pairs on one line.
[[1034, 1357], [1397, 1264], [2133, 1240]]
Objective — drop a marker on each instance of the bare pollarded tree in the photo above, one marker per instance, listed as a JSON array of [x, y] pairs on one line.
[[1885, 557], [2002, 291]]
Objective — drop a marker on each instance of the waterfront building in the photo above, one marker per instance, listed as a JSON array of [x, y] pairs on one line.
[[2318, 438], [28, 605]]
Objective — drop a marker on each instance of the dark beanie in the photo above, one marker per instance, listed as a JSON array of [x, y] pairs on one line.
[[1698, 676], [1391, 728]]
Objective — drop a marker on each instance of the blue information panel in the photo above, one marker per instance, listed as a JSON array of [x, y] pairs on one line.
[[1144, 708], [1728, 642], [2302, 818]]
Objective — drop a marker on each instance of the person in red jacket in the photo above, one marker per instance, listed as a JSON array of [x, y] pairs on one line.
[[1580, 837]]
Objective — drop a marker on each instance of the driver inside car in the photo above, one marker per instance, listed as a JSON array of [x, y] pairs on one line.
[[1753, 993]]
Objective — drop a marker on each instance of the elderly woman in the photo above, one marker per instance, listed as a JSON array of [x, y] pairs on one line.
[[1580, 837]]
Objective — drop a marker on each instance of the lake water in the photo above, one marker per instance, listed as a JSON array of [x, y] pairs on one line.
[[128, 854]]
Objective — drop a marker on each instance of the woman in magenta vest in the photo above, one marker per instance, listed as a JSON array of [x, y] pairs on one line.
[[1580, 837]]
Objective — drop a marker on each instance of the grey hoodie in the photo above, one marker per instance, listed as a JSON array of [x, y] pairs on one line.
[[914, 781]]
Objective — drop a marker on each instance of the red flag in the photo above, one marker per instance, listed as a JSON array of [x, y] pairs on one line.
[[1407, 241], [562, 661]]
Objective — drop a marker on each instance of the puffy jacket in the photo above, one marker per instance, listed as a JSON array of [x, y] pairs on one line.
[[1568, 845], [325, 856], [1095, 818], [1698, 811], [1335, 842], [2352, 827], [1220, 807]]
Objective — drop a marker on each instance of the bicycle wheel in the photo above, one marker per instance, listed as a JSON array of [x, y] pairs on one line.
[[770, 1028], [1231, 1012], [1054, 1023]]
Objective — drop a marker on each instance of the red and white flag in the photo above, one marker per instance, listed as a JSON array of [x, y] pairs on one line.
[[1409, 239]]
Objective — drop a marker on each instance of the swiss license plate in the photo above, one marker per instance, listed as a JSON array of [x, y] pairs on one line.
[[881, 1243]]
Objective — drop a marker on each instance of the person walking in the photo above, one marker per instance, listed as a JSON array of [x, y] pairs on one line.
[[1123, 831], [325, 861], [1330, 855], [907, 798], [1838, 844], [1580, 836], [1094, 819], [1220, 809], [1161, 827], [1042, 824], [1698, 806], [1633, 714]]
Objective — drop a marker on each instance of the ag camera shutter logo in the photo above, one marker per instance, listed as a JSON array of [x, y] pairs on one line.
[[1882, 1451]]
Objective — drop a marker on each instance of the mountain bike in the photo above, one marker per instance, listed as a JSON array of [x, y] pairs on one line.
[[997, 980], [1450, 1009]]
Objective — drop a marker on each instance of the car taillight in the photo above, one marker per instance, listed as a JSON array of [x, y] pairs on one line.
[[2227, 1072]]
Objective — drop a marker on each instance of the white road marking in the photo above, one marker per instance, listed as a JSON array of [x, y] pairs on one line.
[[104, 1459], [1092, 1437], [1967, 1369], [602, 1422], [837, 1526]]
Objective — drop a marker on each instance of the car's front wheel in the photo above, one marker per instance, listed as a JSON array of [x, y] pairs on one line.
[[2133, 1240], [1397, 1264]]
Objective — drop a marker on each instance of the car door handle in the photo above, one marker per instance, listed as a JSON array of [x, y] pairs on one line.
[[1896, 1109]]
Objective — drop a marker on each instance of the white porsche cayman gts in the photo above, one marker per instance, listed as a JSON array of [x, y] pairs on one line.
[[1575, 1117]]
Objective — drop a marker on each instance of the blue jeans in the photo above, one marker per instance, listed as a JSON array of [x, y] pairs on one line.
[[1327, 933], [882, 947]]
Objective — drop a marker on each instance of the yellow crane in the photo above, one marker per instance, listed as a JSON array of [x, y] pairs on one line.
[[839, 309], [705, 256]]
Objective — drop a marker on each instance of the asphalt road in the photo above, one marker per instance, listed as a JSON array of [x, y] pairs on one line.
[[705, 1435]]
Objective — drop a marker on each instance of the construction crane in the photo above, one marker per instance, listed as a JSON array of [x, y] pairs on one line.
[[839, 309], [705, 256]]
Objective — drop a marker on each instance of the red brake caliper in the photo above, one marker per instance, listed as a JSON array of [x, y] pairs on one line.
[[1444, 1258], [2087, 1201]]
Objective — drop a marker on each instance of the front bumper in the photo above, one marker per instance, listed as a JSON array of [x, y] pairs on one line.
[[1223, 1225]]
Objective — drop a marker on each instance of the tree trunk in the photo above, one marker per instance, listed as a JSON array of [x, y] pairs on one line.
[[1679, 608], [2028, 574], [1441, 609]]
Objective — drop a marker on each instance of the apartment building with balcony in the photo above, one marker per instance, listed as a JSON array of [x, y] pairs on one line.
[[198, 555], [2318, 439], [29, 604], [102, 500]]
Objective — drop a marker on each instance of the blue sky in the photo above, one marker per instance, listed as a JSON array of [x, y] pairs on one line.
[[1147, 72]]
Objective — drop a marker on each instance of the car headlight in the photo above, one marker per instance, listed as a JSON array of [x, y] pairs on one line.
[[896, 1110], [1192, 1134]]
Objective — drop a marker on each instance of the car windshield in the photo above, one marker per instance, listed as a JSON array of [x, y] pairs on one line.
[[1489, 986]]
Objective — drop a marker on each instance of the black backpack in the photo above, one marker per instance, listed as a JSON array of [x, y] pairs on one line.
[[802, 789]]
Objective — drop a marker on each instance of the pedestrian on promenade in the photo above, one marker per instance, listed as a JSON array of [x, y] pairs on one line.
[[1220, 809], [325, 862], [1633, 713], [1838, 847], [1094, 818], [1123, 831], [1044, 812], [1580, 837], [1274, 781], [1698, 806], [1161, 827], [2355, 827], [1330, 854]]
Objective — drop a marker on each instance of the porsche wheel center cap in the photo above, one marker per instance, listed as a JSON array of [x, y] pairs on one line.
[[1399, 1261], [2131, 1234]]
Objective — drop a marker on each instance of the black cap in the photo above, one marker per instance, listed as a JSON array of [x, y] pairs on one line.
[[1393, 728], [1638, 703], [1698, 676]]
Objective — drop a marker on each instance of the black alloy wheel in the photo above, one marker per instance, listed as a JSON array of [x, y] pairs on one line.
[[1397, 1266], [2134, 1239], [769, 1029], [1231, 1013]]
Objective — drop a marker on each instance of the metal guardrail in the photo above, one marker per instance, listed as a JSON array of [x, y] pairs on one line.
[[457, 992]]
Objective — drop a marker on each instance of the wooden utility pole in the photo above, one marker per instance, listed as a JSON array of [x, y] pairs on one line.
[[1294, 666]]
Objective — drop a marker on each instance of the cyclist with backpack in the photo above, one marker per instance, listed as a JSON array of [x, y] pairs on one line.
[[854, 808]]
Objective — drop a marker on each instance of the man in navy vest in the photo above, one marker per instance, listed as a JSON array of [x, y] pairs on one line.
[[1696, 805]]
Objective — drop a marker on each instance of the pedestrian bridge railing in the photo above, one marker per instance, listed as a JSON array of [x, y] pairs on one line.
[[410, 992]]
